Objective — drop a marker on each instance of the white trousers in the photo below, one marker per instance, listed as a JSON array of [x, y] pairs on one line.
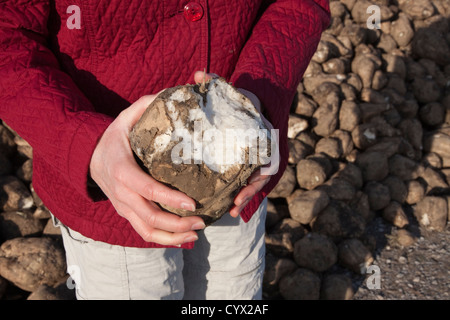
[[227, 262]]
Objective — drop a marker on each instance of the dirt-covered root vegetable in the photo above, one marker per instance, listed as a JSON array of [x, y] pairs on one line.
[[279, 243], [204, 140], [434, 181], [59, 291], [373, 165], [5, 165], [15, 224], [304, 106], [427, 43], [307, 205], [370, 110], [30, 262], [412, 131], [415, 191], [402, 31], [282, 237], [404, 168], [14, 195], [397, 188], [395, 214], [23, 147], [404, 238], [285, 186], [344, 139], [336, 287], [360, 204], [311, 173], [426, 90], [7, 143], [431, 212], [438, 143], [432, 114], [349, 172], [360, 8], [339, 221], [354, 255], [297, 151], [325, 51], [275, 212], [349, 115], [296, 125], [338, 189], [379, 195], [417, 9], [330, 146], [355, 33], [365, 65], [316, 252], [325, 118], [302, 284], [276, 268]]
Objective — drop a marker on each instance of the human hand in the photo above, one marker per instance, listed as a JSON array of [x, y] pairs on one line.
[[262, 176], [133, 192]]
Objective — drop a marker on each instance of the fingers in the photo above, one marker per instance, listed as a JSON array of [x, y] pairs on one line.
[[201, 76], [136, 196], [133, 113], [154, 224], [160, 236], [256, 182], [152, 190], [153, 217]]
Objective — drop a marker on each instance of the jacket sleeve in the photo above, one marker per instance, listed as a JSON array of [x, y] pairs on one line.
[[275, 57], [41, 102]]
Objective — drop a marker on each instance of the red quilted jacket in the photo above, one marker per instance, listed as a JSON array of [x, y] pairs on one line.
[[68, 67]]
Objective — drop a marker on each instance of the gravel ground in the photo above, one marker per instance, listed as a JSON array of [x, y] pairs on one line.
[[417, 272]]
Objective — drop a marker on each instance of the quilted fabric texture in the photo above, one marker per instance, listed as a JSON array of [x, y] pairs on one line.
[[61, 87]]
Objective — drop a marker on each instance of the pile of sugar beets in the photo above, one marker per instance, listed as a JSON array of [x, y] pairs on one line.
[[369, 136]]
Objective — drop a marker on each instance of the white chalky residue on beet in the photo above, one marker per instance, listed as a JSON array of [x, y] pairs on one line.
[[173, 113], [179, 96], [162, 141], [425, 220], [370, 134], [223, 117]]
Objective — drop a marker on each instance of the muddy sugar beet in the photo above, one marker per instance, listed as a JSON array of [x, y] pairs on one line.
[[204, 140]]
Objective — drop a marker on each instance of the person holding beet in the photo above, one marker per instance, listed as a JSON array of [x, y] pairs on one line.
[[74, 79]]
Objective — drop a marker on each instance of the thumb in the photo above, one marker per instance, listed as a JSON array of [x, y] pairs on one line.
[[199, 76], [133, 113]]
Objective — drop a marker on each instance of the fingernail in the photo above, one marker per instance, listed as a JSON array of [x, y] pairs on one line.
[[190, 239], [239, 210], [187, 206], [198, 226]]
